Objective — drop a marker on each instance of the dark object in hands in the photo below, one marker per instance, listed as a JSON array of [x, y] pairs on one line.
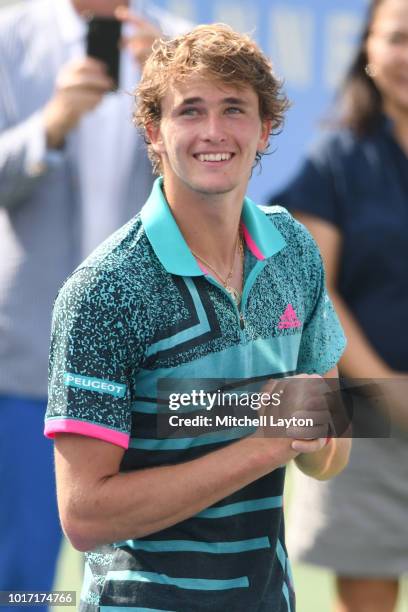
[[102, 42]]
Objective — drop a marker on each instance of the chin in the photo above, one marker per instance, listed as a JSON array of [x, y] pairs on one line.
[[213, 189], [400, 104], [404, 106]]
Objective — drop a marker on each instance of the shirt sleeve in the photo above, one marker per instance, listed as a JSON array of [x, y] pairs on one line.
[[24, 159], [96, 345], [323, 340]]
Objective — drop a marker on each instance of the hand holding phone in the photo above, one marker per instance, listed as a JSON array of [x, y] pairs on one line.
[[80, 86]]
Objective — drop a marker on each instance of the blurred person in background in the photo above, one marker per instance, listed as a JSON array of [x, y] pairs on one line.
[[352, 194], [72, 170]]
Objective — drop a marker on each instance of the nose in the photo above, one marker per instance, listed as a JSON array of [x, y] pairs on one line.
[[213, 129]]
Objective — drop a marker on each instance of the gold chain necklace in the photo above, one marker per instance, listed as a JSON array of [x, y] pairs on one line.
[[235, 294]]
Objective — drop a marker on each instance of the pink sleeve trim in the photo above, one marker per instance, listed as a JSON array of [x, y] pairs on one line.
[[54, 426], [251, 244]]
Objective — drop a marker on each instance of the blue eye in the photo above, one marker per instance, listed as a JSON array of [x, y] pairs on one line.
[[234, 110], [189, 112]]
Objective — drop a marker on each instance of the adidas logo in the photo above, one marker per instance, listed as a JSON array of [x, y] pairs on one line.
[[289, 319]]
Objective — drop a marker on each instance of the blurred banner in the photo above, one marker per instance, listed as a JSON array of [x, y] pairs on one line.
[[310, 43]]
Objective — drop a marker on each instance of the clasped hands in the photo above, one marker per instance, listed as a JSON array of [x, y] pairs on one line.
[[303, 414]]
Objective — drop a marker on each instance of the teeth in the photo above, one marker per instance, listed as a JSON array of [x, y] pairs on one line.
[[214, 157]]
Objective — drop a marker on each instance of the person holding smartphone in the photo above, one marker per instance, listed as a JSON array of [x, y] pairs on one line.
[[72, 170]]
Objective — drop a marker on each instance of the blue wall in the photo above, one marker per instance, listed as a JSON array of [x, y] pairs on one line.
[[310, 44]]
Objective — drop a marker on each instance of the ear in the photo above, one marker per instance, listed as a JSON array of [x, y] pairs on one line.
[[264, 137], [154, 136]]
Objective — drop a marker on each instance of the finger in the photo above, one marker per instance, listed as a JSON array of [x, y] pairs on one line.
[[84, 64], [309, 425], [88, 101], [85, 80], [308, 433], [315, 395], [84, 100], [308, 446], [124, 14], [310, 418], [74, 94], [92, 63], [97, 89], [303, 392], [141, 41], [91, 87]]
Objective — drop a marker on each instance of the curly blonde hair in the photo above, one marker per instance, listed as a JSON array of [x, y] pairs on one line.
[[217, 52]]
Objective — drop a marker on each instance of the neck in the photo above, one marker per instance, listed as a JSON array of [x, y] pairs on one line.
[[399, 117], [209, 223]]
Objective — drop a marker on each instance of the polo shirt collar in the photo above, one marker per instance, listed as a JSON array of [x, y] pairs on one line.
[[261, 236]]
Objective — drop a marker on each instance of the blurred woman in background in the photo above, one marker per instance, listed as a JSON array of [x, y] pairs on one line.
[[352, 194]]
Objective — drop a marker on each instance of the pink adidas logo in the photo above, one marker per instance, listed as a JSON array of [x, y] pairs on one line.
[[289, 319]]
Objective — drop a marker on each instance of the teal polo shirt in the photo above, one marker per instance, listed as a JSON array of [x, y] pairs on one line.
[[141, 310]]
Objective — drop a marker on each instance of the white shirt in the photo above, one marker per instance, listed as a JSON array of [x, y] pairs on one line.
[[104, 145]]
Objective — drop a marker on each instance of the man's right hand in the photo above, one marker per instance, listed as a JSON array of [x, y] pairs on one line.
[[80, 87], [302, 397]]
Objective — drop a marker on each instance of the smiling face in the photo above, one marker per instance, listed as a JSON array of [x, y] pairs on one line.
[[387, 52], [208, 137]]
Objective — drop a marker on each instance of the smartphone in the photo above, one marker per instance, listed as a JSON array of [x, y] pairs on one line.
[[102, 42]]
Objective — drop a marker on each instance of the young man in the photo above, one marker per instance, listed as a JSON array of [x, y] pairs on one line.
[[202, 284]]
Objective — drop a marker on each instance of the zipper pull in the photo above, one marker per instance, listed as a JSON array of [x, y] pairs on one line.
[[241, 321]]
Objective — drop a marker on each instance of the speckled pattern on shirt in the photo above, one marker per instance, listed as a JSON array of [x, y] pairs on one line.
[[123, 318], [122, 299]]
